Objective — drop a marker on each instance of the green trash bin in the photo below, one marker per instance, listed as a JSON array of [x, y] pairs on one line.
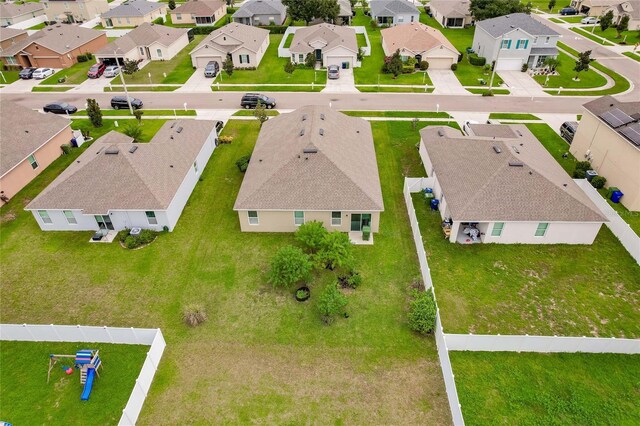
[[366, 233]]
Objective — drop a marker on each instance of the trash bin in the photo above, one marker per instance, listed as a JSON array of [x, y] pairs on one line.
[[366, 233], [591, 174], [434, 204], [616, 195]]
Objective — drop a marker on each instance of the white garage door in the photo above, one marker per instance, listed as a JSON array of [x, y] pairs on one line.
[[339, 60], [439, 63], [202, 61], [509, 64]]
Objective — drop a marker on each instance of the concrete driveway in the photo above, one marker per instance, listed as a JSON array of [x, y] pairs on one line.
[[197, 83], [344, 84], [91, 85], [446, 83], [521, 84], [23, 86]]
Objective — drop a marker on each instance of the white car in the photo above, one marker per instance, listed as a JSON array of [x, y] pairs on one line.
[[111, 71], [590, 20], [41, 73]]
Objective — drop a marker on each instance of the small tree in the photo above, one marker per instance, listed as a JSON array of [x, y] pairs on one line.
[[360, 55], [606, 21], [94, 112], [312, 234], [172, 4], [551, 63], [138, 115], [330, 303], [335, 251], [288, 266], [422, 312], [227, 65], [310, 60], [622, 26], [134, 131], [289, 68], [395, 64], [130, 66], [582, 64], [260, 113], [598, 182], [552, 4]]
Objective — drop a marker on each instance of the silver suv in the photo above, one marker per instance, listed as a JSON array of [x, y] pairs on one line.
[[211, 70]]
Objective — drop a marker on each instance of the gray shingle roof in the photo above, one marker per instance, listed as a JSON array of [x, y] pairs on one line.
[[199, 7], [133, 8], [391, 7], [451, 8], [259, 7], [342, 175], [143, 35], [480, 185], [507, 23], [332, 35], [239, 35]]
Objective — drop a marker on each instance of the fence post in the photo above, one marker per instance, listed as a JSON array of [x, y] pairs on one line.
[[53, 328], [84, 338], [135, 336], [141, 388]]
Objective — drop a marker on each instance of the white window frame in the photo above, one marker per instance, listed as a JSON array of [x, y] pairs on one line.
[[546, 40], [32, 160], [151, 219], [301, 57], [178, 16], [159, 53], [44, 216], [505, 44], [538, 228], [141, 50], [253, 220], [336, 221], [71, 218], [496, 231], [240, 58], [296, 219]]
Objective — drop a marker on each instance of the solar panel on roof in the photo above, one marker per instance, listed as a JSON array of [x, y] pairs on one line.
[[632, 133], [616, 118]]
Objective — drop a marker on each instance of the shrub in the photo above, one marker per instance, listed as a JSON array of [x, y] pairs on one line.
[[89, 56], [274, 29], [289, 265], [352, 280], [335, 251], [311, 234], [159, 20], [330, 303], [407, 69], [225, 139], [411, 62], [524, 68], [579, 174], [134, 131], [82, 58], [476, 60], [487, 93], [310, 60], [583, 165], [424, 65], [243, 163], [146, 236], [422, 312], [66, 148], [172, 4], [138, 115], [206, 30], [598, 182], [194, 314], [454, 67]]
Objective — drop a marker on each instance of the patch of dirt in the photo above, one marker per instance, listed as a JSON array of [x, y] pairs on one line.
[[7, 217]]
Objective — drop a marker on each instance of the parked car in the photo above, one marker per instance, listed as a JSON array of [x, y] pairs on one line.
[[26, 73], [96, 70], [211, 69], [466, 129], [250, 100], [568, 130], [118, 102], [590, 20], [42, 73], [111, 71], [568, 11], [333, 72], [60, 108]]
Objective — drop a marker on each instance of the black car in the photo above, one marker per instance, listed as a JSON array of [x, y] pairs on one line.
[[250, 100], [568, 11], [60, 108], [26, 73], [118, 102]]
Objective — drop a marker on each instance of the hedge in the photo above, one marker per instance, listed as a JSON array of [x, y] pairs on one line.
[[274, 29], [476, 60]]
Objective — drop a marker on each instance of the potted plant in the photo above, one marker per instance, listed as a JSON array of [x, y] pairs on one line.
[[302, 294]]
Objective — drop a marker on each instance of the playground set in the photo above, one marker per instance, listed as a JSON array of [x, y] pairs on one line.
[[87, 361]]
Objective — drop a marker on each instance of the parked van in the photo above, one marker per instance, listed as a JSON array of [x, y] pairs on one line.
[[568, 130]]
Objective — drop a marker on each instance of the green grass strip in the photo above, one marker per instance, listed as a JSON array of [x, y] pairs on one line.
[[399, 114], [512, 116]]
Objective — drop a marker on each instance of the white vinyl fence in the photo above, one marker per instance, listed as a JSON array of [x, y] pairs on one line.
[[92, 334], [416, 185]]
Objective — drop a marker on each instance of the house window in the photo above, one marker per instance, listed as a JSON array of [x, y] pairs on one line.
[[522, 44], [195, 166], [244, 59], [400, 19], [253, 217], [119, 21], [412, 17], [11, 60], [336, 218], [44, 215], [535, 40], [506, 44], [541, 230], [178, 16], [272, 20], [546, 40], [71, 219], [151, 218], [128, 21], [159, 53], [298, 218], [142, 51], [301, 57], [497, 229], [33, 162]]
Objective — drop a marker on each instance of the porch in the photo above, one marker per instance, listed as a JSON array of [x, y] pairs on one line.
[[356, 237]]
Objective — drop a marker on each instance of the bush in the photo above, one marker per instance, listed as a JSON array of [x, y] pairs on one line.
[[422, 312], [411, 62], [476, 60], [351, 280], [243, 163], [335, 251], [82, 58], [424, 65], [583, 165], [454, 67], [579, 174], [598, 182], [407, 69], [159, 20], [312, 234], [289, 265], [274, 29], [225, 139], [194, 314], [330, 303], [146, 236], [89, 56], [524, 68], [66, 148]]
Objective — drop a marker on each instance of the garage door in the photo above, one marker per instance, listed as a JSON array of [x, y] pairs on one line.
[[202, 61], [509, 64], [439, 63], [339, 60], [47, 62]]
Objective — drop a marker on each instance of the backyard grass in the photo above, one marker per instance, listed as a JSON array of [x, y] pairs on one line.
[[219, 23], [149, 127], [556, 20], [547, 389], [512, 116], [9, 77], [590, 36], [401, 114], [632, 218], [588, 79], [632, 55], [38, 26], [288, 41], [555, 145], [262, 357], [146, 112], [27, 398], [75, 74], [362, 41], [628, 37]]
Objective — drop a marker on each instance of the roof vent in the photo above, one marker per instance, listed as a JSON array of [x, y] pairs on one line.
[[301, 132], [321, 132], [112, 150], [519, 133], [497, 149], [179, 130], [440, 133], [304, 117], [516, 164], [515, 149], [310, 151], [321, 116], [133, 149]]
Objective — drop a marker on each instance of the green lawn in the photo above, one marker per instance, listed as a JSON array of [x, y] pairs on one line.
[[27, 398], [406, 114], [572, 19], [51, 89], [547, 389], [588, 79], [261, 357], [590, 36], [288, 41], [495, 91], [512, 116], [556, 20], [556, 146], [141, 88], [219, 23], [75, 74], [9, 77], [632, 37], [38, 26], [632, 55], [147, 112], [249, 113], [149, 127], [258, 88], [362, 41], [632, 218], [395, 89]]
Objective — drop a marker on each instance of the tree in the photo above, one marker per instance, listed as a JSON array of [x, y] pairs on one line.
[[130, 66], [330, 303], [172, 4], [606, 21], [260, 113], [138, 115], [395, 64], [310, 60], [422, 312], [360, 55], [307, 10], [328, 10], [94, 112], [353, 3], [552, 4], [582, 64], [227, 65], [551, 63], [289, 68], [485, 9], [134, 131], [312, 234], [289, 265], [622, 26], [334, 251]]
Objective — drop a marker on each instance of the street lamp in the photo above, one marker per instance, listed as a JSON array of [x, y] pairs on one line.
[[124, 85]]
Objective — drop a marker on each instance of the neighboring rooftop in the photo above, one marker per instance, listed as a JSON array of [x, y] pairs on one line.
[[314, 158], [260, 7], [60, 38], [8, 33], [507, 23], [415, 37], [391, 7], [330, 35], [451, 8], [234, 36], [133, 8], [23, 131], [345, 8], [623, 117], [11, 10], [509, 177], [199, 7], [143, 35], [116, 174]]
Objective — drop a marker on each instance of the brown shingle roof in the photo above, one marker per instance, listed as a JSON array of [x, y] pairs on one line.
[[10, 10], [332, 35], [415, 37], [286, 174], [143, 35], [481, 185], [8, 33], [451, 8], [59, 38], [199, 7]]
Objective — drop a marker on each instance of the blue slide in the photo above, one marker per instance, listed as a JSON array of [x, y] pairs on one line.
[[88, 384]]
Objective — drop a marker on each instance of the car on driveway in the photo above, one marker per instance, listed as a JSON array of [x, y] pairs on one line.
[[568, 11], [590, 20], [60, 108], [211, 69], [111, 71], [568, 130], [42, 73], [333, 72], [26, 73], [118, 102], [250, 100], [96, 70]]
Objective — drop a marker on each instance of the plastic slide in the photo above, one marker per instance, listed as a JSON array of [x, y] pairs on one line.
[[88, 384]]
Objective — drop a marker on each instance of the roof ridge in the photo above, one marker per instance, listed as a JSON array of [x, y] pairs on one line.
[[129, 158]]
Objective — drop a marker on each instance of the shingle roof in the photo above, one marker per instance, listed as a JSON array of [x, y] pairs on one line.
[[415, 37], [345, 8], [451, 8], [23, 131], [59, 38], [133, 8], [8, 33], [391, 7], [259, 7], [294, 167], [607, 103], [10, 10], [147, 179], [332, 35], [143, 35], [507, 23], [481, 185], [199, 7], [238, 35]]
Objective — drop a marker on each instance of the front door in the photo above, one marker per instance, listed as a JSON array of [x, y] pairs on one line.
[[148, 53], [318, 55], [104, 222]]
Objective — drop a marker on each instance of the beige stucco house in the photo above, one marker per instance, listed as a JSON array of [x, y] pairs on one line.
[[314, 163], [500, 185], [74, 10], [609, 137], [29, 142], [245, 44], [11, 13], [331, 45], [199, 12], [451, 13], [416, 40], [133, 13]]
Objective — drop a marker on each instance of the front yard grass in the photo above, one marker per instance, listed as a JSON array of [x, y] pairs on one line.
[[51, 89], [512, 116], [147, 112], [629, 37], [572, 19], [262, 357], [590, 36], [401, 114], [149, 127], [250, 112], [75, 74], [588, 79], [632, 55], [555, 145], [550, 389], [27, 398], [9, 77]]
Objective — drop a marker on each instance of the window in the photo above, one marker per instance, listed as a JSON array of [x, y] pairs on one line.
[[44, 215], [298, 218], [535, 40], [71, 219], [119, 21], [178, 16], [546, 40], [33, 162], [506, 44], [541, 230], [497, 229], [400, 19], [301, 57], [336, 218], [128, 21], [272, 20], [412, 18], [195, 166], [253, 217], [244, 59], [522, 44], [11, 60], [159, 53], [151, 218], [142, 51]]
